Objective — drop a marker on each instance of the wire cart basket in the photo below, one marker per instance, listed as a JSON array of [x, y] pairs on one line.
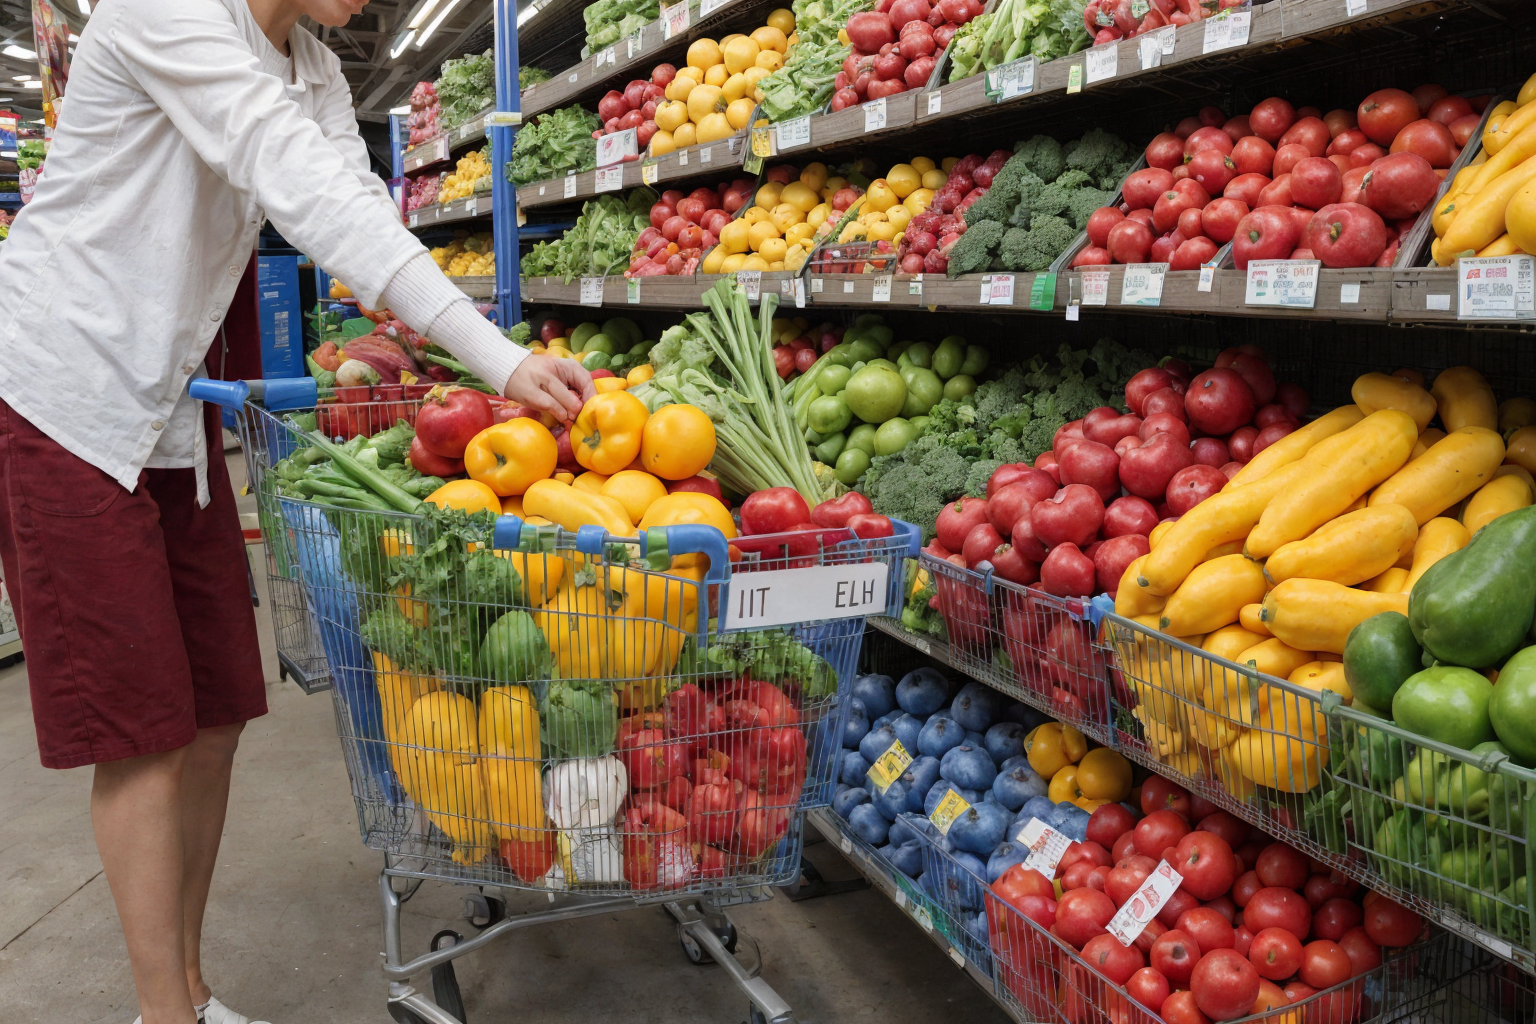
[[603, 719]]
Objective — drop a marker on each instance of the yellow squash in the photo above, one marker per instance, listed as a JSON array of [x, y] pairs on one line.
[[1517, 148], [1393, 581], [1251, 618], [573, 508], [1269, 755], [1322, 675], [1515, 413], [1496, 118], [1317, 615], [398, 693], [1131, 600], [1498, 496], [1437, 538], [1296, 444], [1212, 595], [1333, 476], [1504, 245], [1482, 217], [437, 766], [1428, 438], [1464, 399], [1235, 695], [1453, 468], [1158, 533], [1274, 657], [1374, 391], [1520, 450], [1230, 641], [1351, 549], [510, 762]]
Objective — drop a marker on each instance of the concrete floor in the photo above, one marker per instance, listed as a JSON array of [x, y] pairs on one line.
[[293, 932]]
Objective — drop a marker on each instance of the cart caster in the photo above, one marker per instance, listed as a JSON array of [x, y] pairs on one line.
[[696, 952], [400, 1015], [445, 983], [754, 1015], [482, 911]]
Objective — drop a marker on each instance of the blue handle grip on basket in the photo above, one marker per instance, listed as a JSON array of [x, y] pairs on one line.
[[277, 395], [1099, 607], [912, 535]]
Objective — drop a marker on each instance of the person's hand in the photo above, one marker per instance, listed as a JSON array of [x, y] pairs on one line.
[[559, 387]]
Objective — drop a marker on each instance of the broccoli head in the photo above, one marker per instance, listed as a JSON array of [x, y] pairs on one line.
[[1003, 195], [916, 483], [1014, 251], [1056, 198], [1098, 152], [1043, 155], [1115, 176], [1082, 204], [973, 252], [981, 472], [1034, 250]]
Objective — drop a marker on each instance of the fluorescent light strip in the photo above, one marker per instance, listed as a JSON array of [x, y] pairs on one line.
[[21, 78], [421, 15], [12, 50], [85, 7], [441, 17], [31, 85], [400, 46], [524, 15]]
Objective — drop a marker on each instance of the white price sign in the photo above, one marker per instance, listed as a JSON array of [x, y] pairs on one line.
[[1353, 8], [1155, 45], [606, 56], [781, 597], [1143, 284], [874, 115], [1016, 78], [707, 155], [1132, 918], [880, 289], [709, 7], [615, 146], [1000, 291], [674, 20], [609, 179], [632, 291], [1496, 288], [1102, 63], [794, 133], [1207, 278], [591, 291], [935, 103], [1227, 30], [1096, 287], [1291, 283], [570, 186], [415, 220], [1046, 846], [751, 282]]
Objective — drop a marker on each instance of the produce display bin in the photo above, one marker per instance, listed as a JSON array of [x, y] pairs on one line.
[[1253, 743], [1447, 831], [1030, 644]]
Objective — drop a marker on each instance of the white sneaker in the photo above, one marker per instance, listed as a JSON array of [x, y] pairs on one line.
[[215, 1012]]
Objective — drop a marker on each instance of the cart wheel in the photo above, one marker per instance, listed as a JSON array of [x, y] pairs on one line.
[[754, 1015], [445, 983], [401, 1015], [693, 949], [482, 911], [727, 936]]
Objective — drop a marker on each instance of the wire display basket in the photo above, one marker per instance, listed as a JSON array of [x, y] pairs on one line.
[[528, 707]]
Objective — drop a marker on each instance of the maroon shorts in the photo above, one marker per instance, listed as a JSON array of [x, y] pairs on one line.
[[134, 607]]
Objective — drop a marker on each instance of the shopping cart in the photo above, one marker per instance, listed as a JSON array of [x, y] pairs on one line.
[[522, 707]]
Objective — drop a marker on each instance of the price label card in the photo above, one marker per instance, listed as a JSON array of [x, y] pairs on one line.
[[935, 103], [649, 173], [1349, 293], [570, 186], [794, 133], [707, 155], [1016, 78], [1495, 288], [674, 20], [1132, 918], [816, 285], [1000, 292], [922, 917], [1074, 79], [951, 807], [632, 291], [889, 766], [1439, 302], [682, 158], [709, 7], [880, 289], [1227, 30], [751, 282], [799, 292], [874, 115], [472, 207], [1207, 278], [503, 118], [762, 141], [591, 291], [632, 44], [1143, 284], [1042, 292], [1102, 63], [1156, 45], [605, 56], [778, 597], [1096, 286], [1046, 846], [1291, 283], [1352, 8], [615, 146], [571, 78], [609, 179], [415, 220]]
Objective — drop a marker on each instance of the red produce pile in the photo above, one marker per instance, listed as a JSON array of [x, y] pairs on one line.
[[931, 234], [684, 227], [1110, 20], [896, 46], [422, 120], [635, 107]]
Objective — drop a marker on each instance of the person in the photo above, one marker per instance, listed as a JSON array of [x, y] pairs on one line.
[[186, 124]]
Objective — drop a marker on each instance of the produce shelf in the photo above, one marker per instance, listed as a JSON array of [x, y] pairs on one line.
[[468, 208], [704, 160], [476, 287], [437, 149]]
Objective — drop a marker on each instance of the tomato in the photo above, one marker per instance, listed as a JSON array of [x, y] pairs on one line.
[[1208, 137], [1130, 241], [1233, 830], [1142, 188], [1276, 193], [1324, 964], [1246, 188], [1324, 887], [1297, 991], [1180, 1008], [1242, 939], [1013, 885], [1389, 923], [1148, 987], [1463, 128], [1174, 956], [1081, 914], [1224, 906], [1213, 169], [1193, 253], [1344, 1006], [1267, 233], [1108, 823], [1288, 156], [1272, 118], [1189, 224], [1126, 877], [1165, 151], [1308, 132], [1208, 928], [1276, 907], [450, 417], [1430, 139], [1249, 852], [1400, 185], [1386, 112], [1176, 906], [1105, 955], [429, 463], [1158, 794], [1335, 917], [1252, 155], [1316, 183], [1225, 985], [1275, 953], [1076, 876], [1339, 121], [1206, 862], [1100, 221], [774, 510], [1165, 213], [1448, 109], [1364, 954], [1159, 830]]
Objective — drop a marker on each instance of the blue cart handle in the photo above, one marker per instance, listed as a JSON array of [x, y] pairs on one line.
[[277, 395]]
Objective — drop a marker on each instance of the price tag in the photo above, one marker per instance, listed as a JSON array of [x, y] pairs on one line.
[[816, 285], [1481, 937], [541, 190], [951, 807], [1139, 8], [799, 292], [1353, 8], [1207, 278], [609, 179], [1096, 286], [874, 115], [1349, 293], [591, 291], [880, 289], [1042, 292], [1074, 79], [709, 7], [751, 282], [889, 766], [472, 207], [649, 173], [1439, 302], [1290, 283], [571, 78], [1074, 311], [794, 133], [1046, 846], [570, 186], [762, 141], [503, 118], [1000, 291], [674, 20], [415, 219], [1156, 45], [1102, 63], [632, 290], [922, 917], [632, 44], [682, 158], [1226, 30], [935, 103], [604, 56], [845, 843], [1144, 904], [1016, 78], [779, 597], [707, 155], [1495, 288], [1142, 284], [615, 146], [847, 287]]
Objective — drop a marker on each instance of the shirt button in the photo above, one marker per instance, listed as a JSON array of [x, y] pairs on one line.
[[214, 317], [158, 424], [234, 271]]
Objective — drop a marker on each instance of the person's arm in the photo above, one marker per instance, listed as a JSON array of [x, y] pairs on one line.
[[338, 122]]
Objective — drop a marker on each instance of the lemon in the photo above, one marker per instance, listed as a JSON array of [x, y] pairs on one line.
[[735, 88], [921, 164], [771, 60], [735, 237], [716, 75], [685, 135], [703, 53], [934, 179], [768, 196], [773, 250], [662, 142], [904, 180], [740, 54], [782, 19], [770, 38], [799, 195], [814, 175], [754, 262], [760, 232], [713, 261], [733, 263], [739, 113]]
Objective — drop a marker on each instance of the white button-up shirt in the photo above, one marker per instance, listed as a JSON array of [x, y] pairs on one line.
[[183, 128]]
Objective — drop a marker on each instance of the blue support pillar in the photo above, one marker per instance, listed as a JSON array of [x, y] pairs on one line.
[[509, 303]]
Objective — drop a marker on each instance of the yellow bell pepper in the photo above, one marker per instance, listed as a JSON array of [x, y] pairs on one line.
[[509, 456], [1052, 746], [616, 623], [1064, 785], [1103, 774], [470, 495], [608, 430], [437, 766], [640, 374], [683, 507], [510, 762], [603, 385]]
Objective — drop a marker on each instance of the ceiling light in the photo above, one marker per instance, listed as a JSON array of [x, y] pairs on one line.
[[12, 50], [441, 17], [400, 46], [526, 13], [31, 85], [20, 78], [421, 15]]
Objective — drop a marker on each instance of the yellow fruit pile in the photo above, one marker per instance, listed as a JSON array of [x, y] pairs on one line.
[[905, 191], [467, 256], [776, 232], [471, 168], [713, 96]]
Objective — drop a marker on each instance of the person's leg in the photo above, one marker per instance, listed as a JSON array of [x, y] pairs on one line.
[[136, 812], [204, 797]]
